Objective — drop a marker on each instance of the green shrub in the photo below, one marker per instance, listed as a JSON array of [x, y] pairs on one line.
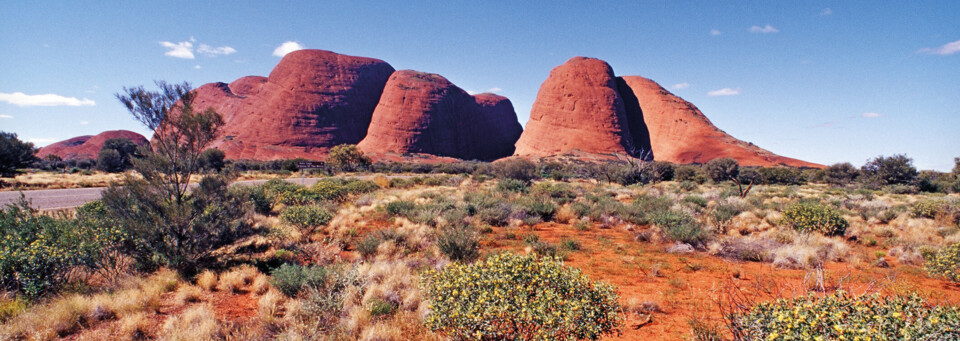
[[680, 226], [347, 158], [291, 279], [720, 170], [258, 195], [537, 206], [841, 316], [459, 244], [515, 168], [946, 263], [511, 297], [380, 307], [306, 216], [399, 207], [809, 216], [37, 252], [509, 185], [840, 174], [369, 244], [933, 209], [689, 173], [560, 192], [724, 213]]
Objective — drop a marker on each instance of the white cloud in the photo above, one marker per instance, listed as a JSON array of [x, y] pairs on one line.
[[83, 123], [5, 116], [41, 141], [46, 100], [471, 92], [945, 50], [826, 11], [183, 49], [715, 32], [494, 89], [679, 86], [764, 29], [287, 47], [724, 92], [196, 66], [871, 115], [211, 51]]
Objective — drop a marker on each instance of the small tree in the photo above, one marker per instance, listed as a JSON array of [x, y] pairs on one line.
[[168, 225], [347, 158], [125, 150], [211, 160], [109, 160], [14, 154], [840, 174], [890, 170], [724, 169]]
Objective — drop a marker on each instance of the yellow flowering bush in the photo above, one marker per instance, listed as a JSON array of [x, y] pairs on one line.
[[841, 316], [37, 251], [946, 263], [514, 297], [810, 216]]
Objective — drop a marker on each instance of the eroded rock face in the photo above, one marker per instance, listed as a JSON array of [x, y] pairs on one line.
[[88, 146], [578, 107], [425, 113], [680, 133], [312, 101]]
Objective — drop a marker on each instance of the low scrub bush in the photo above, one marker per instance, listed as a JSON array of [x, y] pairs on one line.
[[809, 216], [935, 209], [946, 263], [560, 192], [369, 244], [842, 316], [38, 251], [509, 185], [512, 297], [399, 207], [291, 279], [306, 216], [537, 206], [680, 226], [459, 244]]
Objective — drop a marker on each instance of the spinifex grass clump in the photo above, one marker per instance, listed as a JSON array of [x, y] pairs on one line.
[[512, 297], [809, 216], [841, 316], [946, 263]]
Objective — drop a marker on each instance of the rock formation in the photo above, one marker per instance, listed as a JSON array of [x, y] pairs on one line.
[[578, 107], [680, 133], [88, 146], [582, 109], [425, 113], [312, 101]]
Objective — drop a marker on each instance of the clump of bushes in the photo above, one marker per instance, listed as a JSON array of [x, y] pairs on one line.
[[509, 185], [946, 263], [38, 251], [935, 209], [512, 297], [680, 226], [459, 244], [841, 316], [306, 216], [291, 279], [810, 216]]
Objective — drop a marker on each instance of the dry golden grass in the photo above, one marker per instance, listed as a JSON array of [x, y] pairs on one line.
[[207, 280], [269, 306], [238, 279], [196, 323], [188, 294], [65, 314], [53, 180], [134, 327]]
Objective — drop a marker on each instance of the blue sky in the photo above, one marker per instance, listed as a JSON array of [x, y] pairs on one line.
[[823, 81]]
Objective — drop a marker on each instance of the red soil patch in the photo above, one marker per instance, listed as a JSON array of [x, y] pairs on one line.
[[690, 286]]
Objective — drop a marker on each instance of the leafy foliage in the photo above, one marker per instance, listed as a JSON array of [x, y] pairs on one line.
[[840, 174], [810, 216], [14, 154], [889, 170], [459, 244], [720, 170], [841, 316], [117, 155], [946, 263], [306, 216], [211, 160], [680, 226], [347, 158], [511, 297], [291, 279], [38, 251]]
